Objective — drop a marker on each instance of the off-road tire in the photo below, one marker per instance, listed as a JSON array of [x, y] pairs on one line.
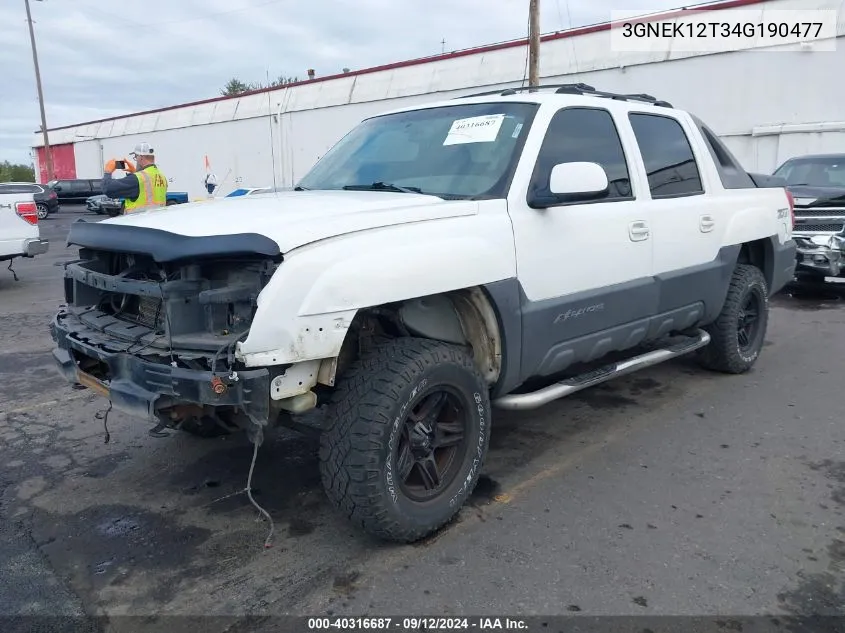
[[358, 451], [724, 352]]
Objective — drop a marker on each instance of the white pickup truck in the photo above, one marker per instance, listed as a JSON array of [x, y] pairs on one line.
[[505, 249], [19, 232]]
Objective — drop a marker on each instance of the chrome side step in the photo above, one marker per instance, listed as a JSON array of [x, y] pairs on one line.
[[535, 399]]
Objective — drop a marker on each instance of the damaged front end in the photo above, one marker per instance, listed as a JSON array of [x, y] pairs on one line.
[[819, 232], [154, 332], [820, 255]]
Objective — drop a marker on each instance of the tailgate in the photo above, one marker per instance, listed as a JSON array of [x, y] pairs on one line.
[[13, 228]]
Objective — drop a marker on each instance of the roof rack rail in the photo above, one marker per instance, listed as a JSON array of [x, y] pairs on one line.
[[573, 89]]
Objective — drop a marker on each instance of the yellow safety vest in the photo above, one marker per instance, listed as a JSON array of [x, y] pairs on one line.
[[152, 190]]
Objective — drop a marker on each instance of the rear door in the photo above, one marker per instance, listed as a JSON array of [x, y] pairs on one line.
[[687, 223]]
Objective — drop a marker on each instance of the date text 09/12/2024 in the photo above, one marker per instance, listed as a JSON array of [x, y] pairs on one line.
[[416, 623]]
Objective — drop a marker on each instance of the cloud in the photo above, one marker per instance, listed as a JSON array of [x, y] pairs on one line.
[[98, 59]]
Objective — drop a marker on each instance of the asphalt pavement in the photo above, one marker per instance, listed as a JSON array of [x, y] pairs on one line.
[[674, 491]]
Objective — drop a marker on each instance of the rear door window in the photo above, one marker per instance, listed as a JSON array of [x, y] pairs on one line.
[[669, 159]]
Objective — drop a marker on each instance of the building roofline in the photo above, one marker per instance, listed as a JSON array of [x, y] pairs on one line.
[[718, 5]]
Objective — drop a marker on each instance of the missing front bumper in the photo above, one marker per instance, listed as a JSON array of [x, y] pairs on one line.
[[144, 388]]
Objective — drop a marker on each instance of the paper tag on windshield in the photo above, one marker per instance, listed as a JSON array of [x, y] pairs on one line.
[[477, 129]]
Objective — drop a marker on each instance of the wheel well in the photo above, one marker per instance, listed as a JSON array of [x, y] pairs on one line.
[[463, 317], [760, 254]]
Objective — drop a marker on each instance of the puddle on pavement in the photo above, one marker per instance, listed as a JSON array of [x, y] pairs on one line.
[[286, 474], [822, 593], [811, 296], [603, 397], [105, 545]]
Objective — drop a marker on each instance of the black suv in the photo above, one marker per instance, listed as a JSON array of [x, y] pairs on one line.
[[46, 200], [76, 190]]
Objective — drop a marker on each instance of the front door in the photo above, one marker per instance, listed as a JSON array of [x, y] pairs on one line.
[[585, 268]]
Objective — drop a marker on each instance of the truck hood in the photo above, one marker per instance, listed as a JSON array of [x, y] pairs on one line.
[[806, 195], [294, 218]]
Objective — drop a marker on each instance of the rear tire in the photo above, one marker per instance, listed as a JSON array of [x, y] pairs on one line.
[[738, 334], [42, 211], [410, 427]]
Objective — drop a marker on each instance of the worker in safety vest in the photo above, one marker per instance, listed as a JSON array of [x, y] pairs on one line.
[[144, 186]]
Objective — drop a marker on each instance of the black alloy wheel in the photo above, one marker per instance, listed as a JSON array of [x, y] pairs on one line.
[[433, 444]]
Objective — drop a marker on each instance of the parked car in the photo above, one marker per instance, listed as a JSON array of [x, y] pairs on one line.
[[817, 183], [251, 191], [20, 235], [46, 200], [103, 205], [504, 249], [76, 190]]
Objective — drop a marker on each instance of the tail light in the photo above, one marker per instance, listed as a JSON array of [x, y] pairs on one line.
[[27, 212], [791, 201], [53, 194]]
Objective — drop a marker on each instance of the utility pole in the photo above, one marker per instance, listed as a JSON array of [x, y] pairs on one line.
[[48, 155], [534, 43]]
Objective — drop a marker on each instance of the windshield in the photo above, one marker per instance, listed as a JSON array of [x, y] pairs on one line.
[[824, 171], [460, 151]]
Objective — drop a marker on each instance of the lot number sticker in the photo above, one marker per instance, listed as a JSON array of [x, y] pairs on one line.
[[477, 129]]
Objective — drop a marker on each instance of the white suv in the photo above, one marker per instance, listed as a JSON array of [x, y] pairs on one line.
[[502, 249]]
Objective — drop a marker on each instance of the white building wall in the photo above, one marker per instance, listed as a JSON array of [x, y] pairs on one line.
[[253, 139], [89, 159]]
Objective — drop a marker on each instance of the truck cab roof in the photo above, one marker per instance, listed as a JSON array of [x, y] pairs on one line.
[[555, 94]]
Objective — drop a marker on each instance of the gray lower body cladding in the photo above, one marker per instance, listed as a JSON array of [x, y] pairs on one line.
[[545, 338], [141, 387]]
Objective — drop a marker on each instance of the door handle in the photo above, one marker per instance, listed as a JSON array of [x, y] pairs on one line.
[[706, 223], [638, 231]]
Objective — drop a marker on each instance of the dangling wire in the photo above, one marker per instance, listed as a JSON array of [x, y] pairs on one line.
[[257, 442], [104, 416]]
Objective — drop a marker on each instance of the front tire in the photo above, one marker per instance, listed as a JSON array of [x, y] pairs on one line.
[[410, 427], [738, 334]]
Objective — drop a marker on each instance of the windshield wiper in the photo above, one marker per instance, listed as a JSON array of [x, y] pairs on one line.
[[300, 188], [382, 186]]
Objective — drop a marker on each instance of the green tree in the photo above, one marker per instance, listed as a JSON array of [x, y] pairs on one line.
[[235, 87], [281, 80], [10, 172]]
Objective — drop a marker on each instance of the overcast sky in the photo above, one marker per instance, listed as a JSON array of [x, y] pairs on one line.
[[101, 59]]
